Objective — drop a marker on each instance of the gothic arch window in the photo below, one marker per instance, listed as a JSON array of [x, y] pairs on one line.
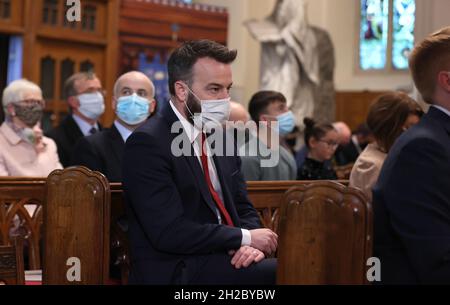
[[47, 78], [50, 12], [67, 69], [87, 66], [386, 34], [5, 9], [89, 18]]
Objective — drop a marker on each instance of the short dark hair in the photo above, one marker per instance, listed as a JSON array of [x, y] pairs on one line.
[[184, 58], [261, 100], [388, 114], [316, 130], [69, 85]]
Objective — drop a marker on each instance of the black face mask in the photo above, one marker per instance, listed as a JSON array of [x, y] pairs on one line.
[[29, 115]]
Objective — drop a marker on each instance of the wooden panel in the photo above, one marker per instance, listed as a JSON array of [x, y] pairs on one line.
[[14, 24], [16, 194], [159, 26], [76, 32], [352, 106], [153, 19], [76, 225], [59, 52], [266, 196], [61, 42], [325, 234], [11, 264]]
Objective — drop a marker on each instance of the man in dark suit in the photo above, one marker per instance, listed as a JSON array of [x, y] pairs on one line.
[[412, 196], [85, 98], [348, 153], [133, 102], [190, 221]]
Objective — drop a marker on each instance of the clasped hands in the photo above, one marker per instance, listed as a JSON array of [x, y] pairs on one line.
[[263, 242]]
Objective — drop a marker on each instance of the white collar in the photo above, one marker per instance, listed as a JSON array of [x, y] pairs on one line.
[[191, 131], [84, 126], [446, 111], [124, 132]]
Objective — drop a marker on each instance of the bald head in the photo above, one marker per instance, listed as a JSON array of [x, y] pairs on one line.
[[238, 113], [134, 81], [344, 132]]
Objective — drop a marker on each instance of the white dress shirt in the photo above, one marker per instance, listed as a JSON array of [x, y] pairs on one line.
[[124, 132], [84, 126], [194, 136]]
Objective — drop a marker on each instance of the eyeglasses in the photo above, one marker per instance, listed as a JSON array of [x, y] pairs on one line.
[[30, 102], [330, 144]]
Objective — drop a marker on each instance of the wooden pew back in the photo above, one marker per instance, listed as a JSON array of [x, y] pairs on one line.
[[325, 234], [15, 192], [11, 264], [76, 227]]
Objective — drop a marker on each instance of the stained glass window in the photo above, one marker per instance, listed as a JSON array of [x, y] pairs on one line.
[[374, 34], [386, 34], [402, 32], [156, 70]]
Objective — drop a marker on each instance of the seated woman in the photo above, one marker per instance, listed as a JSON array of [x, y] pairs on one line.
[[388, 117], [24, 151], [321, 140]]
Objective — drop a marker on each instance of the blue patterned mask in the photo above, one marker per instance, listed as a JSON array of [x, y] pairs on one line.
[[133, 109]]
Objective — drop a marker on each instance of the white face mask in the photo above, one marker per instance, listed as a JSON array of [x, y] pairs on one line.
[[92, 105], [213, 111]]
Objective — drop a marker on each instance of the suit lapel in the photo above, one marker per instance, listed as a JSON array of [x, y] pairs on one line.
[[117, 143], [192, 159], [438, 115], [72, 130]]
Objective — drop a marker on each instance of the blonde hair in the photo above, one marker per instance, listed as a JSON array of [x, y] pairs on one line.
[[428, 58]]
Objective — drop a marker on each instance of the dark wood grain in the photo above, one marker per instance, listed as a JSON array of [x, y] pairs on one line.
[[325, 234]]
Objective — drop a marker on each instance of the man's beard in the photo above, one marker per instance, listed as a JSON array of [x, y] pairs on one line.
[[194, 107]]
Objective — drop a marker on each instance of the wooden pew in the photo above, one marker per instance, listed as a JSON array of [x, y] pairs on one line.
[[16, 192]]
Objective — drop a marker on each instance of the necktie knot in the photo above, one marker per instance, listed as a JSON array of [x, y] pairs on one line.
[[92, 130]]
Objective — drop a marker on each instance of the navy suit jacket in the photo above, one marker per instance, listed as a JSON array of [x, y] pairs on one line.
[[173, 224], [66, 135], [103, 152], [412, 205]]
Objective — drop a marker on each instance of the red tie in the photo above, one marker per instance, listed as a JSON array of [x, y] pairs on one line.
[[213, 192]]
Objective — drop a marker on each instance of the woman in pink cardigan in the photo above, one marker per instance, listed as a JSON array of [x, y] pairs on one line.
[[388, 117], [24, 151]]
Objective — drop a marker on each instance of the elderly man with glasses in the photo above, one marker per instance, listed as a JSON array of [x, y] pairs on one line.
[[85, 99]]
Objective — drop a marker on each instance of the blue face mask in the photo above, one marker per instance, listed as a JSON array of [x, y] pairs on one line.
[[286, 123], [132, 109]]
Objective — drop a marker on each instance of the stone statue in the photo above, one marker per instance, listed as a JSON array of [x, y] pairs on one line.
[[290, 60]]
